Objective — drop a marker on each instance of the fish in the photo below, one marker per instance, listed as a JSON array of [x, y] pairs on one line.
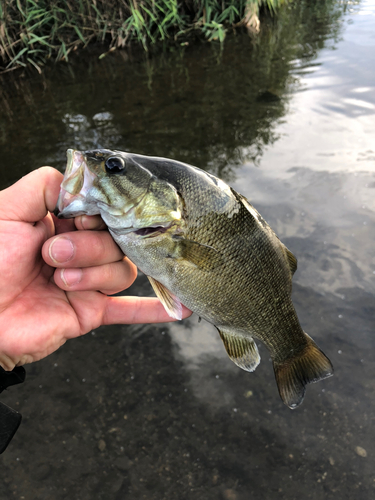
[[203, 245]]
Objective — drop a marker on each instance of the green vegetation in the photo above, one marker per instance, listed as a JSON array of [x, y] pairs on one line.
[[34, 31]]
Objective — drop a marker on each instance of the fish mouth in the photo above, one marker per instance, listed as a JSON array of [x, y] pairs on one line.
[[78, 180]]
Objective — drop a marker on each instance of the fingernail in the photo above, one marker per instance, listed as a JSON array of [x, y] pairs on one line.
[[61, 250], [91, 222], [88, 222], [71, 276]]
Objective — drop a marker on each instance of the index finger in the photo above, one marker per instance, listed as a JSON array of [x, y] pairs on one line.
[[82, 223]]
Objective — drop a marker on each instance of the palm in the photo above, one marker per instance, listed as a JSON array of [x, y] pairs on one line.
[[34, 303]]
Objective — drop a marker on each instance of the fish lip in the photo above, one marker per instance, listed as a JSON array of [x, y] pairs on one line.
[[76, 182]]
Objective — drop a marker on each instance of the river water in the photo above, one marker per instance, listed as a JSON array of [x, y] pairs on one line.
[[159, 411]]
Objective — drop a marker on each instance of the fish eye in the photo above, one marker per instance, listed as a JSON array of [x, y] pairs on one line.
[[114, 165]]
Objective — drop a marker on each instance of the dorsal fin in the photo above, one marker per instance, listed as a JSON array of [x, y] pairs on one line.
[[241, 350], [170, 302], [291, 259]]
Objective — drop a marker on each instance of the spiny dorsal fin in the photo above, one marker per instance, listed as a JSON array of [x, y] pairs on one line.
[[291, 259], [293, 374], [202, 256], [241, 350], [170, 302]]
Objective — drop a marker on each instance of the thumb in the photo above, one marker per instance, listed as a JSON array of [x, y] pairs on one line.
[[31, 197]]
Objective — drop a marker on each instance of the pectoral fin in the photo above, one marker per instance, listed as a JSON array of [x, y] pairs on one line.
[[170, 302], [202, 256], [242, 351]]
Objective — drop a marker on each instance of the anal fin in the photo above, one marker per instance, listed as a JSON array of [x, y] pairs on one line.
[[242, 351], [170, 302]]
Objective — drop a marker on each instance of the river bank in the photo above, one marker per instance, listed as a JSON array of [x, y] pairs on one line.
[[34, 32]]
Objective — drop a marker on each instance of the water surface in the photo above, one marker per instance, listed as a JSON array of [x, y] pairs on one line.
[[160, 412]]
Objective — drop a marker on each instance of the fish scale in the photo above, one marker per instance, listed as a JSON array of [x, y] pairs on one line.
[[205, 246]]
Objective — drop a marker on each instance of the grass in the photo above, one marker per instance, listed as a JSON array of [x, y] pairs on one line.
[[35, 31]]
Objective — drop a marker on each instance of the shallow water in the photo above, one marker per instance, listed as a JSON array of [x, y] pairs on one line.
[[160, 412]]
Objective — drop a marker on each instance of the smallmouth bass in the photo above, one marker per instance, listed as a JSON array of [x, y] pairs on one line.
[[203, 245]]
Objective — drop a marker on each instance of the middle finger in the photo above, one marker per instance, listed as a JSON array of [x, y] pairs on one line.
[[81, 249], [108, 279]]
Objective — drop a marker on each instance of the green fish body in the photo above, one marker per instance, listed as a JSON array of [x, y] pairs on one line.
[[202, 245]]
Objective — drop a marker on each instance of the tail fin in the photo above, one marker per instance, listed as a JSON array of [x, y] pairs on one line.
[[292, 375]]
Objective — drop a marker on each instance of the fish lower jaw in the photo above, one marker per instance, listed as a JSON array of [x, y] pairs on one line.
[[69, 206]]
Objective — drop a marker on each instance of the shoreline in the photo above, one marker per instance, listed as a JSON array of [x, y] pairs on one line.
[[33, 34]]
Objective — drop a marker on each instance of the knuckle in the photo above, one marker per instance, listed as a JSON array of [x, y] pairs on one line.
[[106, 247], [99, 245], [131, 270], [110, 275], [117, 276]]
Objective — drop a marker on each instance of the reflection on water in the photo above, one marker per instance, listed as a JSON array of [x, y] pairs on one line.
[[160, 411], [208, 107]]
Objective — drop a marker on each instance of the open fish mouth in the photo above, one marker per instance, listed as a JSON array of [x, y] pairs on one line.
[[77, 182]]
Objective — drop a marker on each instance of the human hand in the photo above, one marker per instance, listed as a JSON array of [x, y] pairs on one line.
[[55, 280]]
